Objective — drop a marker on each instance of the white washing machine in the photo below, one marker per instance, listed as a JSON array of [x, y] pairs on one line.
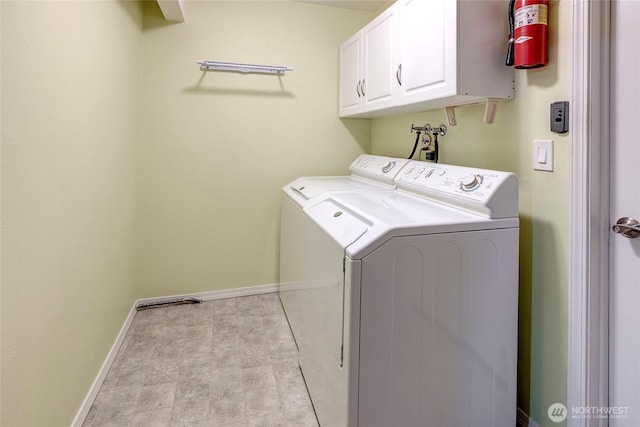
[[403, 302]]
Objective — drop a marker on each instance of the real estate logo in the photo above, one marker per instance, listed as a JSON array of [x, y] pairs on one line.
[[557, 412]]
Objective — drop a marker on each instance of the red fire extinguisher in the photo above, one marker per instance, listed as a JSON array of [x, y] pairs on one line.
[[528, 33]]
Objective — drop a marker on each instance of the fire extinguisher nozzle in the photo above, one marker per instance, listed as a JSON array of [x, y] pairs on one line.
[[509, 61]]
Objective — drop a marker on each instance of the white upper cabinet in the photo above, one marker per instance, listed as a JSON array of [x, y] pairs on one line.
[[350, 92], [380, 41], [427, 65], [367, 63], [421, 55]]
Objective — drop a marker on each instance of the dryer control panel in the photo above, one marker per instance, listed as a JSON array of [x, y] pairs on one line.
[[490, 193], [379, 168]]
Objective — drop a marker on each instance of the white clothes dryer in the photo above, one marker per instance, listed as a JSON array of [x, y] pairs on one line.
[[403, 303]]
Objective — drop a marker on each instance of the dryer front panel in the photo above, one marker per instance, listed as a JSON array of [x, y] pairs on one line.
[[311, 283], [312, 291]]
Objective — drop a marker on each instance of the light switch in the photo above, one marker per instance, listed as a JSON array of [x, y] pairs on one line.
[[543, 154]]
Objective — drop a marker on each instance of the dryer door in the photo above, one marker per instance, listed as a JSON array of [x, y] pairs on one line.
[[312, 277], [312, 291]]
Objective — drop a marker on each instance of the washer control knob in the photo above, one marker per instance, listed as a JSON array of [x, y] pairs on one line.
[[388, 166], [470, 182]]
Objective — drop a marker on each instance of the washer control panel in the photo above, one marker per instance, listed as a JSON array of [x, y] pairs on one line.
[[479, 190], [381, 168]]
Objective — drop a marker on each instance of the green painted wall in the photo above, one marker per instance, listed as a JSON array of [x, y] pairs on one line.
[[70, 100], [204, 221]]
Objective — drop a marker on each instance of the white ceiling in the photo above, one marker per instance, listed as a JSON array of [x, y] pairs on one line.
[[368, 5]]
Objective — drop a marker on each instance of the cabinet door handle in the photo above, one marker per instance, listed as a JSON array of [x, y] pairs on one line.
[[362, 89], [358, 89], [399, 74]]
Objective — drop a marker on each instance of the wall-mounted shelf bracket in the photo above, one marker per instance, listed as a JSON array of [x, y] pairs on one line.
[[490, 110], [450, 112], [242, 68], [490, 105]]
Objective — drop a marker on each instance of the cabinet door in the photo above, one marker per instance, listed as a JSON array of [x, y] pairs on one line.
[[350, 95], [380, 39], [427, 49]]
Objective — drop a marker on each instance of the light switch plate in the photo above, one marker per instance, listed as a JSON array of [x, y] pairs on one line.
[[543, 154]]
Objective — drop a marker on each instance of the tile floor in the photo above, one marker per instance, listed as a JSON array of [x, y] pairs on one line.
[[230, 362]]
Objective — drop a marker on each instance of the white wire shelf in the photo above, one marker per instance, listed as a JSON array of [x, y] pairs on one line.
[[242, 68]]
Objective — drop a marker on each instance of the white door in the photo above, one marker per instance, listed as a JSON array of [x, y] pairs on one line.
[[624, 311]]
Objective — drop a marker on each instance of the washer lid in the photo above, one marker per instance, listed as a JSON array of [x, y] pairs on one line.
[[342, 225], [394, 213]]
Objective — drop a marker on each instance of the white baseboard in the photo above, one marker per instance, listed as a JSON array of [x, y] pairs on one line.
[[104, 370], [214, 295], [524, 420]]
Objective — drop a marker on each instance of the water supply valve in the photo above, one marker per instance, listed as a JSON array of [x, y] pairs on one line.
[[430, 149]]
